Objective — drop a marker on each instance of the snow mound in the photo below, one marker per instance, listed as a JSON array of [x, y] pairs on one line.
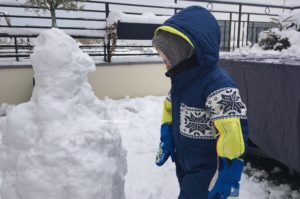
[[61, 144]]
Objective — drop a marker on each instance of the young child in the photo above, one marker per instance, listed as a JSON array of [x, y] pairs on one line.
[[204, 126]]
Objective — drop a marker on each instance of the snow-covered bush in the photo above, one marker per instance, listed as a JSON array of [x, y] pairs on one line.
[[277, 44], [111, 36], [273, 39]]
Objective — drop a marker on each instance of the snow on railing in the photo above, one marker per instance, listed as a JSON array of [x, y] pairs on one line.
[[92, 22], [145, 18], [7, 19]]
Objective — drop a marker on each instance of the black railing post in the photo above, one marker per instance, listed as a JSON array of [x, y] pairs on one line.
[[104, 50], [16, 48], [108, 50], [252, 32], [256, 34], [234, 31], [239, 26], [247, 37], [230, 23], [175, 10], [107, 56], [243, 34], [106, 10], [224, 36]]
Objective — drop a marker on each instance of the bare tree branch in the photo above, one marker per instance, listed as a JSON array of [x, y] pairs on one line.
[[53, 5]]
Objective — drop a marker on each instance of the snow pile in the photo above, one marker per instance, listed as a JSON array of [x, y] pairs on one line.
[[61, 144], [145, 18]]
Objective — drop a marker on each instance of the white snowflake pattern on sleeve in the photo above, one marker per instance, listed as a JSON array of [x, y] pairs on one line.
[[226, 103], [196, 123]]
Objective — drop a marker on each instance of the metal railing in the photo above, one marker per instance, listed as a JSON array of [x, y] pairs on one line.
[[236, 31]]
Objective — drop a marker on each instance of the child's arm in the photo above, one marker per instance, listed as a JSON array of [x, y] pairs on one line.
[[228, 114], [166, 148]]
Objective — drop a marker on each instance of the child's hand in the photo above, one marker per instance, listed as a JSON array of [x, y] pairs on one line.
[[166, 148], [227, 184]]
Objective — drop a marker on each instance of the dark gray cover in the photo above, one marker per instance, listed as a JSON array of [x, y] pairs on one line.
[[272, 95]]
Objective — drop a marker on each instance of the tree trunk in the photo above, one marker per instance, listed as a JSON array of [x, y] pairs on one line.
[[53, 17]]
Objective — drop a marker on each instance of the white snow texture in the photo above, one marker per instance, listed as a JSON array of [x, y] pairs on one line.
[[145, 18], [61, 144], [65, 143]]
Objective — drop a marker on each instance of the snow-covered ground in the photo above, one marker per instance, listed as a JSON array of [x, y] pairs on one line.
[[138, 121]]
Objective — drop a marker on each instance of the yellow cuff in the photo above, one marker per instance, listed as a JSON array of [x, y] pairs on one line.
[[167, 112], [230, 143]]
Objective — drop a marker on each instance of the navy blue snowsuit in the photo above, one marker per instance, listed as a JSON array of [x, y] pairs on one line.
[[198, 84]]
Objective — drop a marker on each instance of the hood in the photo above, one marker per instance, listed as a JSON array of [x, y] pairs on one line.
[[200, 28]]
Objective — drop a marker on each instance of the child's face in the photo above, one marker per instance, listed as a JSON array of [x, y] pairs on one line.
[[164, 58]]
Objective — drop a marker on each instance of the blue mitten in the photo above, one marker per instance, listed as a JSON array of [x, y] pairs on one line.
[[166, 148], [227, 184]]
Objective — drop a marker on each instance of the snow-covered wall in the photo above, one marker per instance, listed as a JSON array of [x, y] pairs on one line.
[[61, 144]]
